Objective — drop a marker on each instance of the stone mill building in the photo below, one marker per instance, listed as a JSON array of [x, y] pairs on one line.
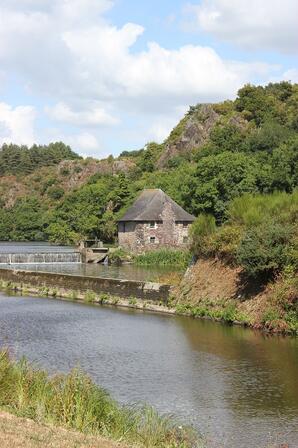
[[152, 222]]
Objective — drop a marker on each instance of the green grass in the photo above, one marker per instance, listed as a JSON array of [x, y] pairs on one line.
[[74, 401], [164, 257], [89, 296], [227, 312]]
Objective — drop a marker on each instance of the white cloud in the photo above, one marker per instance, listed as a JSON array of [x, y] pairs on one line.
[[92, 60], [17, 124], [163, 124], [86, 142], [93, 117], [291, 75], [252, 24], [69, 55]]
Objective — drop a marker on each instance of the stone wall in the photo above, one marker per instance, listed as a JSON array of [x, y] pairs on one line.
[[167, 233], [120, 288], [127, 235]]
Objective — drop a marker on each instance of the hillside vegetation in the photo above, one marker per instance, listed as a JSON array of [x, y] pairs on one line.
[[216, 153], [234, 165]]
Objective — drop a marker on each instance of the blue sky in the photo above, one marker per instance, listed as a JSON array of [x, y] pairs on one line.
[[106, 76]]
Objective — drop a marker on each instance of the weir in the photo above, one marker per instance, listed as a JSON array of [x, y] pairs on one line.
[[40, 257]]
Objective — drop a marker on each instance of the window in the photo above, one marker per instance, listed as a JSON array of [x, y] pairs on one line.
[[185, 239], [185, 224], [152, 225], [122, 227], [152, 239]]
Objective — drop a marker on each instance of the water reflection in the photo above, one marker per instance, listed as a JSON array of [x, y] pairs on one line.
[[261, 369], [238, 387]]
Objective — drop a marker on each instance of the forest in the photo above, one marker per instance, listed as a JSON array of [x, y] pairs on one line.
[[240, 182]]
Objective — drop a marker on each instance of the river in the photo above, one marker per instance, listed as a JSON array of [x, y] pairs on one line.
[[238, 387], [126, 271]]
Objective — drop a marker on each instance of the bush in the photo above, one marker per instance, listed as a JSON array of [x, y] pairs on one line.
[[61, 233], [118, 255], [225, 241], [249, 210], [55, 193], [201, 229], [264, 250], [64, 171]]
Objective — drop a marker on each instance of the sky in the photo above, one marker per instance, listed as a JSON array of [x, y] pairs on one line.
[[111, 75]]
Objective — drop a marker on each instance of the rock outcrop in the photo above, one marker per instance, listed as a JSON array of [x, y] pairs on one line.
[[192, 132]]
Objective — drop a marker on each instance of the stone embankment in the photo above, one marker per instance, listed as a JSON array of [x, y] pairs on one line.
[[67, 283]]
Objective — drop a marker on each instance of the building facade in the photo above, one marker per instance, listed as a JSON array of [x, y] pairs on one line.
[[154, 221]]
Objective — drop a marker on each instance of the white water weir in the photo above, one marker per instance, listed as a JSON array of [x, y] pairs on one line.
[[40, 257]]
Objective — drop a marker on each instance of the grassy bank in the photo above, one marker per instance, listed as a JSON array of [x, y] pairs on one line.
[[74, 401], [214, 290], [164, 257], [17, 432]]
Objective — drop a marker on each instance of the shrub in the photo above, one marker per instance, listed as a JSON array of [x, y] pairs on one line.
[[61, 233], [270, 316], [249, 210], [201, 229], [264, 250], [118, 255], [64, 171], [103, 298], [55, 192], [224, 243], [78, 169]]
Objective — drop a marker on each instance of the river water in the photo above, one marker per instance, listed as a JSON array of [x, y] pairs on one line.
[[238, 387], [126, 272]]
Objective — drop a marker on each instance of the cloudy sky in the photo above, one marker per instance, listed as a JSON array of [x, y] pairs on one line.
[[110, 75]]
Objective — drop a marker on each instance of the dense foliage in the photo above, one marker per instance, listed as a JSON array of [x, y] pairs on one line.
[[261, 234], [252, 152], [16, 159]]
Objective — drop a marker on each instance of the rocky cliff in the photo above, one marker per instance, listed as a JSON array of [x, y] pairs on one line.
[[192, 132]]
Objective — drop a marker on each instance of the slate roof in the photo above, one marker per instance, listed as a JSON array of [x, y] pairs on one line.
[[149, 207]]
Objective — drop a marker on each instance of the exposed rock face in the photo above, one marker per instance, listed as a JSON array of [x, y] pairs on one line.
[[91, 167], [69, 174], [195, 131]]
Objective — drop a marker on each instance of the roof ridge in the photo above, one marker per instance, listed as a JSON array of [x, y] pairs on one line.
[[149, 207]]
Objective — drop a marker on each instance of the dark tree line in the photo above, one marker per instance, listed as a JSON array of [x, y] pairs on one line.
[[16, 159]]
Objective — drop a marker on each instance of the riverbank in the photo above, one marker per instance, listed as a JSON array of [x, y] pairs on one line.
[[215, 290], [17, 432], [74, 402], [209, 290]]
